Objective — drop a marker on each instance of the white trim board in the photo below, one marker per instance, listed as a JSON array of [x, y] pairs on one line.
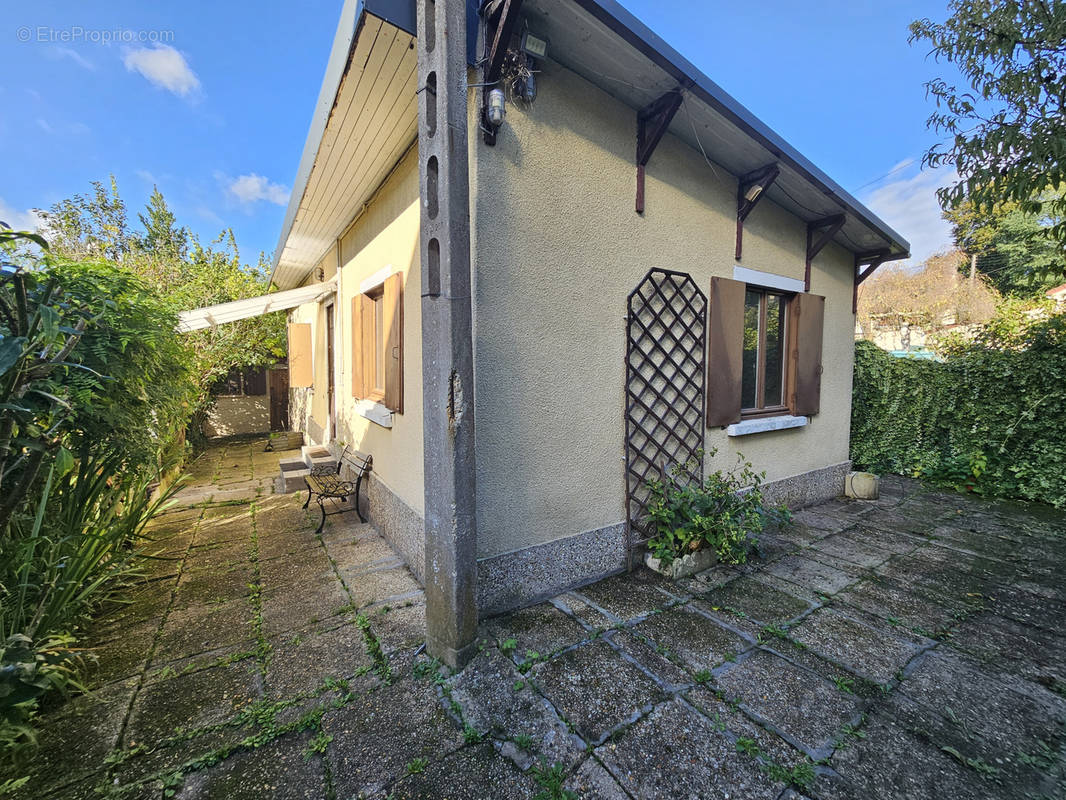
[[375, 412], [764, 424], [376, 279], [767, 279]]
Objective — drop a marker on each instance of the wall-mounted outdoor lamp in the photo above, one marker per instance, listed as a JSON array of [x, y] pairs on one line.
[[496, 108], [534, 46]]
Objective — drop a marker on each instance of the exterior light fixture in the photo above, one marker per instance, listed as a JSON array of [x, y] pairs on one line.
[[496, 110], [753, 192], [534, 46]]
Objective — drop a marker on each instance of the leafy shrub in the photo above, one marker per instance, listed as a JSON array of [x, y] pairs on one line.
[[988, 419], [28, 670], [94, 396], [726, 512]]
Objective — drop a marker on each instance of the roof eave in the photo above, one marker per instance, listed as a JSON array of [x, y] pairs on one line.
[[646, 41], [352, 16]]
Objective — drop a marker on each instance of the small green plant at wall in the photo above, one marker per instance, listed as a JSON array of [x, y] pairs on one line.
[[725, 512]]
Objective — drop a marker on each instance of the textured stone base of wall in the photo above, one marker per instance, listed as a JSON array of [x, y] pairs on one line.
[[401, 525], [523, 577], [808, 488]]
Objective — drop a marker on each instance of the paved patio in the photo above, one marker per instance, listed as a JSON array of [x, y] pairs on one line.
[[910, 647]]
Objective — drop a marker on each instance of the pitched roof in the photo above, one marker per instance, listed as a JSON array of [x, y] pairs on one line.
[[584, 36]]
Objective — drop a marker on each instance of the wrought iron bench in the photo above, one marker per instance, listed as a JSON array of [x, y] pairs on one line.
[[328, 483]]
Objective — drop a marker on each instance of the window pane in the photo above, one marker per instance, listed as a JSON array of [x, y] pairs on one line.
[[775, 349], [750, 364], [379, 343]]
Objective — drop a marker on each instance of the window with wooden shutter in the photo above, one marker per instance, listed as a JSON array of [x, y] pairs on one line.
[[301, 372], [362, 346], [764, 370], [725, 350], [806, 315], [377, 344], [392, 350]]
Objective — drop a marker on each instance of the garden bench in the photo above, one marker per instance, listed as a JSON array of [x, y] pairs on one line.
[[327, 483]]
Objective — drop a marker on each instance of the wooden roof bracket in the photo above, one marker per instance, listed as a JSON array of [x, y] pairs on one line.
[[874, 260], [750, 190], [828, 227], [500, 17], [652, 123]]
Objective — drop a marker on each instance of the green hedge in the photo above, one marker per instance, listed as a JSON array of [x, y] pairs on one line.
[[990, 418]]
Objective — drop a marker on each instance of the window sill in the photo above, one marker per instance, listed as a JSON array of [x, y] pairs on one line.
[[375, 412], [764, 424]]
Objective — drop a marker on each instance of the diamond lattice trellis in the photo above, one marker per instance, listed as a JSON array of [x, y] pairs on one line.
[[666, 325]]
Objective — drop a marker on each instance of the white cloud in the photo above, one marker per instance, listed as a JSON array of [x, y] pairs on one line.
[[165, 67], [75, 128], [248, 189], [909, 204], [27, 220], [73, 55]]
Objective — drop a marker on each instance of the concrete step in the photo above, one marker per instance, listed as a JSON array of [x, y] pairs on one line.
[[293, 472], [316, 455]]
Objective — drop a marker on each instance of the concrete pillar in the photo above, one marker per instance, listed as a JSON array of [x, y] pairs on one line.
[[447, 347]]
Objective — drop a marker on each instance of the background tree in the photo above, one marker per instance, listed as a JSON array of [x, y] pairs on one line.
[[182, 270], [932, 297], [1008, 246], [1006, 132]]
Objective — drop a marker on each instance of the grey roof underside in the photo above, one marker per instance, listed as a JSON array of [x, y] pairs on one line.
[[583, 36]]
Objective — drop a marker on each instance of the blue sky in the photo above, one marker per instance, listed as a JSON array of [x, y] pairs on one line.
[[212, 102]]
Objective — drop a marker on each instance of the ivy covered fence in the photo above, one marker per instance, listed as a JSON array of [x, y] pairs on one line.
[[990, 418]]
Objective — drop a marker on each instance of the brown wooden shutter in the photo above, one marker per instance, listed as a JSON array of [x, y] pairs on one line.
[[725, 351], [362, 341], [392, 307], [806, 315], [301, 372]]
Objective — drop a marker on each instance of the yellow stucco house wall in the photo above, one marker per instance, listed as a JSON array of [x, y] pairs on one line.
[[556, 247]]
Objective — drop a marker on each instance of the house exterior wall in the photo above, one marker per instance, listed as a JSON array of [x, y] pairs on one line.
[[384, 238], [557, 249]]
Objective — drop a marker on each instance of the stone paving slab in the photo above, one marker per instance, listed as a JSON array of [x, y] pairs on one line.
[[279, 769], [163, 708], [199, 628], [302, 661], [374, 740], [749, 598], [1031, 653], [542, 629], [806, 709], [595, 689], [1008, 716], [591, 781], [498, 701], [852, 549], [824, 574], [698, 641], [629, 597], [75, 739], [677, 752], [890, 761], [918, 611], [473, 773], [261, 660], [876, 653]]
